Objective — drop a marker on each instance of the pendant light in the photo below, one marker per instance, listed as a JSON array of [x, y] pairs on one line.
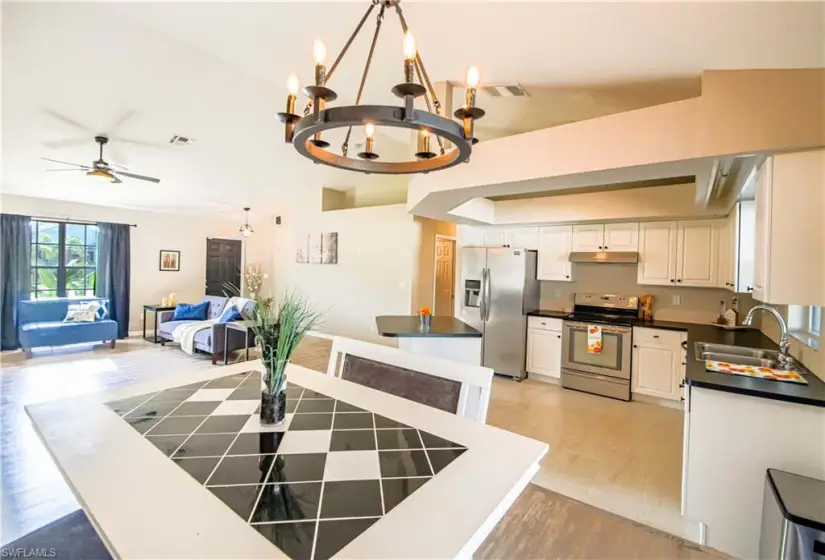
[[246, 230]]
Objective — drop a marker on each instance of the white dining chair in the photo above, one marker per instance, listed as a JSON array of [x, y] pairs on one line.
[[455, 387]]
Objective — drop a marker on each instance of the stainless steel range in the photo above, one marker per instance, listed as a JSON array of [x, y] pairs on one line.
[[604, 372]]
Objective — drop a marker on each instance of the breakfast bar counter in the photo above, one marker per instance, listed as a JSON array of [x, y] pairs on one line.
[[446, 337]]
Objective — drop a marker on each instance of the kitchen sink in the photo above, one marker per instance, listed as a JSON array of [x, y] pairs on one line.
[[738, 355]]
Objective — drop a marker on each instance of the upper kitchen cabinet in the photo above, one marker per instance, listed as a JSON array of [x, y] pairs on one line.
[[606, 237], [555, 245], [521, 237], [679, 253], [736, 248], [657, 253], [697, 253], [621, 237], [790, 242]]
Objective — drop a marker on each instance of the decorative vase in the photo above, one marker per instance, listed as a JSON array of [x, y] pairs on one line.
[[273, 408], [425, 320]]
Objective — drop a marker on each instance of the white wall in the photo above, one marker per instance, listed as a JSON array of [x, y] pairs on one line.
[[156, 231], [377, 252]]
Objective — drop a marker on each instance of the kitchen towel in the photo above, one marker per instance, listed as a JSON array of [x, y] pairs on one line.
[[594, 339]]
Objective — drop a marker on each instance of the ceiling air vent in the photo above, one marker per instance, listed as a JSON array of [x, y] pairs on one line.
[[178, 140], [505, 90]]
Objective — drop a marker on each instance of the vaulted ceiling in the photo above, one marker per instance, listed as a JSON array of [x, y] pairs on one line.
[[215, 72]]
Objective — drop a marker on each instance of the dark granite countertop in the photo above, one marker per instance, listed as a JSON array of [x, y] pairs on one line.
[[552, 313], [410, 326], [802, 499], [697, 376]]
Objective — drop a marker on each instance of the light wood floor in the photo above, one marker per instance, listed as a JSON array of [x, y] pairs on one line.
[[541, 524]]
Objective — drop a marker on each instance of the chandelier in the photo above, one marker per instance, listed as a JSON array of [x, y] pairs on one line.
[[454, 139]]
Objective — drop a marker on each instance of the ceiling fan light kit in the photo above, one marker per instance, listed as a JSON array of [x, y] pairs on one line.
[[305, 132]]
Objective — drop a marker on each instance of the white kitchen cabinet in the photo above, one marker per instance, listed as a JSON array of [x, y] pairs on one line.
[[588, 238], [555, 244], [622, 237], [544, 352], [679, 253], [658, 363], [657, 253], [494, 237], [736, 248], [789, 240], [523, 238], [470, 236], [697, 253]]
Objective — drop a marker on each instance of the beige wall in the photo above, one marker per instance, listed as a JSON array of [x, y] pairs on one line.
[[156, 231], [698, 305], [377, 254], [424, 285]]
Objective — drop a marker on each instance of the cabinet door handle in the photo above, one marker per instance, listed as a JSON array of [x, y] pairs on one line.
[[672, 280], [634, 346], [684, 363], [682, 399], [750, 288], [655, 336], [679, 280], [605, 247], [568, 276], [600, 247], [682, 384], [558, 336]]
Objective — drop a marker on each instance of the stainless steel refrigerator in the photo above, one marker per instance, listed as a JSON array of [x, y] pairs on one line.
[[498, 288]]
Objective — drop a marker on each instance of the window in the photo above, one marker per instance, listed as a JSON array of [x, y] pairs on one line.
[[805, 322], [64, 259]]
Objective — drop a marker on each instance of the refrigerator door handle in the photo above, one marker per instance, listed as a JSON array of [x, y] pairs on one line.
[[487, 294], [481, 297]]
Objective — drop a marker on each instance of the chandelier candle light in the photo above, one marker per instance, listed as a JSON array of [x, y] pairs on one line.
[[304, 132]]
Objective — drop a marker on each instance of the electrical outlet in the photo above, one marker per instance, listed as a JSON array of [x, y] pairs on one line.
[[676, 300]]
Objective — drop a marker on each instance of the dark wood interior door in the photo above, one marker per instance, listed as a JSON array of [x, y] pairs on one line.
[[223, 264]]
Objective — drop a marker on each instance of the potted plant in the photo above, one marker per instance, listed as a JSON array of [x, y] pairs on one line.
[[278, 331], [424, 316]]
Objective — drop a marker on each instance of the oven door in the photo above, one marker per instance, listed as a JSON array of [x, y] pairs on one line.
[[614, 359]]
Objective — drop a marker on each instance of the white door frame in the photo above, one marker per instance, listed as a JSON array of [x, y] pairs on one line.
[[452, 238]]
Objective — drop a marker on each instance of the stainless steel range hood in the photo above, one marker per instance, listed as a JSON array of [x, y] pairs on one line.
[[618, 257]]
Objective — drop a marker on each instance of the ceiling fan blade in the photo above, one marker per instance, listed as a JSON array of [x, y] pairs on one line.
[[116, 180], [78, 169], [66, 120], [75, 141], [125, 116], [66, 163], [134, 176]]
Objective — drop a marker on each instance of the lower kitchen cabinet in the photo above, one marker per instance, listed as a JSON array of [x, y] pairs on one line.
[[544, 352], [658, 363]]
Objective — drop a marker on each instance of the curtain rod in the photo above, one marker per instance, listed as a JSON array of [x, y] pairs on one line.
[[73, 220]]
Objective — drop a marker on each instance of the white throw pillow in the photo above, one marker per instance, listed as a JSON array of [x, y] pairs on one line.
[[80, 313]]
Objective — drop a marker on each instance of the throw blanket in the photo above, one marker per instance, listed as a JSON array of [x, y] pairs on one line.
[[185, 334]]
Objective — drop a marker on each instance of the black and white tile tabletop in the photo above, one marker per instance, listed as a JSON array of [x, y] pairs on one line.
[[179, 466], [311, 485]]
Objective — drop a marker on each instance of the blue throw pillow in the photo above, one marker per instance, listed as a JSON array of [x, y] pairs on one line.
[[229, 314], [191, 312]]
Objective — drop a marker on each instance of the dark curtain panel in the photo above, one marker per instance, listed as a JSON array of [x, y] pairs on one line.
[[15, 280], [113, 263]]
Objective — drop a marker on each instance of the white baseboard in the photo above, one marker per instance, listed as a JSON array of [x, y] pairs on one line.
[[320, 334]]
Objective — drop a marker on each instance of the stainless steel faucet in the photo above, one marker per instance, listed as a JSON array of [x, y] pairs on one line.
[[784, 342]]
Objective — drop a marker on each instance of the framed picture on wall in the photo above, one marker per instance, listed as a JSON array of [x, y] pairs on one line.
[[169, 261]]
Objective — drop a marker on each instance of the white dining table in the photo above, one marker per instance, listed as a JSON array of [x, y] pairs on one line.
[[143, 505]]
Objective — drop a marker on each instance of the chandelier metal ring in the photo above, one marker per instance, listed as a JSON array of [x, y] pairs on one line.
[[383, 115]]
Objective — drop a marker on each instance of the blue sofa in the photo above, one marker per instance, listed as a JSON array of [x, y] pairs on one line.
[[40, 323], [207, 340]]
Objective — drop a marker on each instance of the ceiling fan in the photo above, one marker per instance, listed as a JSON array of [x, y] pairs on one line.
[[100, 168]]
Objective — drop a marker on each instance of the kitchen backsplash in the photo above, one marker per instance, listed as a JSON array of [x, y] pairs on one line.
[[697, 305]]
